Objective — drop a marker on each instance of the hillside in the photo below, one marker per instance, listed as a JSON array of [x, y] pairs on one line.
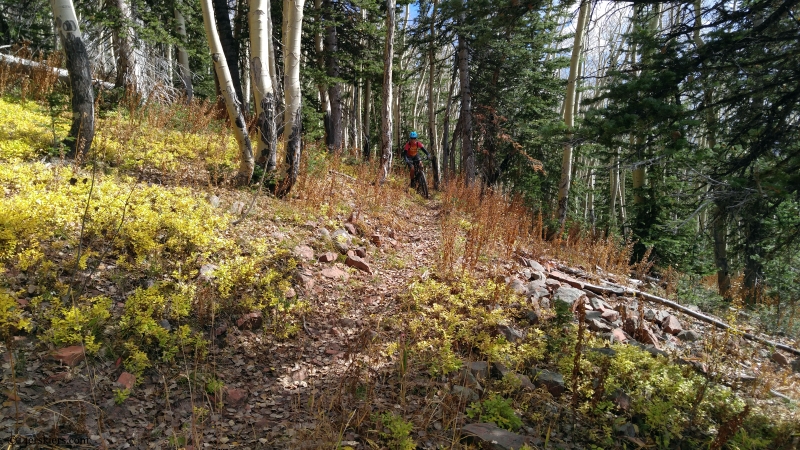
[[147, 303]]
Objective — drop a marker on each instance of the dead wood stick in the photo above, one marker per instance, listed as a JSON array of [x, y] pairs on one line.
[[654, 298], [342, 174]]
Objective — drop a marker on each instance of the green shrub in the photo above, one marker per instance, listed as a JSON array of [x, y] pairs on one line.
[[496, 410]]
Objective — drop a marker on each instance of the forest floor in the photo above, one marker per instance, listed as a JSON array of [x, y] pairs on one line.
[[351, 315]]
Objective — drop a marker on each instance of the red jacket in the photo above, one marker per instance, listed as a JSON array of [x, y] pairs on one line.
[[412, 150]]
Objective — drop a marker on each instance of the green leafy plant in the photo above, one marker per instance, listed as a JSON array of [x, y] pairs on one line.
[[120, 395], [398, 430], [497, 410]]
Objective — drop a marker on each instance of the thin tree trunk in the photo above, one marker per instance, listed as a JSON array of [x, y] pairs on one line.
[[446, 150], [81, 132], [386, 115], [319, 48], [229, 94], [431, 107], [273, 67], [367, 120], [614, 181], [720, 233], [264, 95], [334, 138], [467, 153], [569, 120], [292, 118], [123, 41], [229, 47]]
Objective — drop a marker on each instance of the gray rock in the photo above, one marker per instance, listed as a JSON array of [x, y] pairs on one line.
[[465, 394], [532, 317], [510, 334], [207, 271], [553, 284], [626, 429], [609, 315], [593, 315], [610, 352], [500, 370], [479, 369], [537, 276], [689, 336], [599, 325], [518, 287], [304, 252], [552, 381], [237, 208], [536, 266], [214, 201], [165, 324], [796, 365], [599, 305], [324, 233], [525, 273], [650, 315], [489, 436], [545, 303], [694, 308], [341, 240], [568, 295], [537, 290], [466, 378]]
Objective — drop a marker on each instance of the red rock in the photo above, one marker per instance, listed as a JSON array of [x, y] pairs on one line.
[[361, 252], [127, 379], [671, 325], [304, 252], [250, 321], [391, 234], [649, 337], [610, 315], [780, 359], [376, 239], [358, 263], [23, 303], [118, 362], [290, 293], [327, 257], [235, 397], [350, 229], [219, 331], [334, 272], [619, 335], [70, 355]]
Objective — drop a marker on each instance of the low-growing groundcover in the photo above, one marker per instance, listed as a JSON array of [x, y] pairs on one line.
[[147, 276], [668, 405]]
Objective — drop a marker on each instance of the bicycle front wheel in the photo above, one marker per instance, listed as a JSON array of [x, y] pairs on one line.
[[422, 184]]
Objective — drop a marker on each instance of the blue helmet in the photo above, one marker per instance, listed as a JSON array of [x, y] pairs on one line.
[[413, 135]]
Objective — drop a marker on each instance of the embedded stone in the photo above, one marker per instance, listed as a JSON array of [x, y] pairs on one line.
[[466, 394], [618, 335], [510, 334], [304, 252], [327, 257], [358, 263], [480, 369], [568, 295], [235, 397], [334, 273], [70, 355], [610, 315], [552, 381], [490, 436], [780, 359], [128, 380], [599, 325], [250, 321], [350, 229], [671, 325], [689, 335]]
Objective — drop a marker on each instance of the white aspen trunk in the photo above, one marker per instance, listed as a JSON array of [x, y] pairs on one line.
[[263, 93], [367, 120], [126, 55], [273, 67], [291, 69], [417, 93], [614, 177], [569, 119], [247, 162], [183, 57], [398, 97], [81, 132], [386, 114], [324, 101]]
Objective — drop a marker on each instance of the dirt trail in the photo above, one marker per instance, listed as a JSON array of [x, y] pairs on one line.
[[302, 392]]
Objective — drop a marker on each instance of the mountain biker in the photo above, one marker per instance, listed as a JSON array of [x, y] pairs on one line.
[[411, 153]]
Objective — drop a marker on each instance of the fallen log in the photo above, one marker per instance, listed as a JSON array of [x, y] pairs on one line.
[[622, 290], [29, 66]]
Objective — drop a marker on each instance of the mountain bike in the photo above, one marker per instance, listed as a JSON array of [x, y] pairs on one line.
[[420, 183]]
